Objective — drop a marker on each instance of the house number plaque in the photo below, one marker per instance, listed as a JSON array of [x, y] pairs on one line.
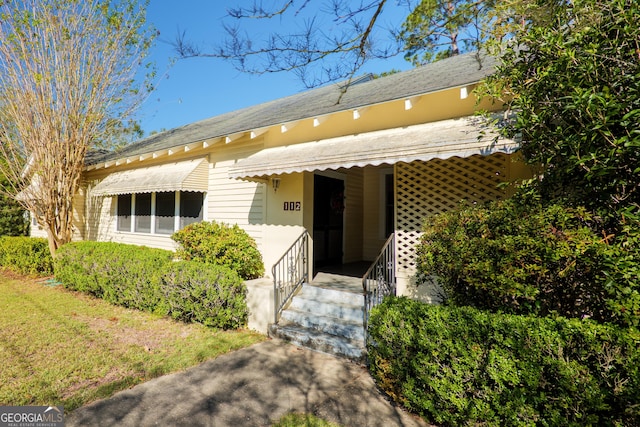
[[292, 206]]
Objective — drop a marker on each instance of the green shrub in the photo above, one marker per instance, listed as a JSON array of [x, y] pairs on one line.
[[147, 279], [524, 258], [209, 294], [14, 220], [621, 273], [220, 244], [26, 255], [462, 366], [126, 275]]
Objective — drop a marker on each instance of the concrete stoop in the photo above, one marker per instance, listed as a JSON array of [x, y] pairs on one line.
[[326, 320]]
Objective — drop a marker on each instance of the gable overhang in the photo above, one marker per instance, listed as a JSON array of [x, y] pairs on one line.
[[462, 137], [188, 175]]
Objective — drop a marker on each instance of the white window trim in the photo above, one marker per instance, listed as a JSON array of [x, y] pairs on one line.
[[176, 224]]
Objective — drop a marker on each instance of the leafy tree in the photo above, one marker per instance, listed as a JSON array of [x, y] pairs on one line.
[[68, 68], [13, 219], [438, 29], [574, 81]]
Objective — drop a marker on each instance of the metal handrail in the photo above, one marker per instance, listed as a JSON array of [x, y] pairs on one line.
[[290, 272], [380, 279]]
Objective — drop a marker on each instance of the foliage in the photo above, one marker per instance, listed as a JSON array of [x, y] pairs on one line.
[[220, 244], [13, 218], [306, 420], [13, 221], [148, 279], [53, 108], [126, 275], [518, 256], [621, 273], [209, 294], [574, 82], [462, 366], [25, 255], [437, 29]]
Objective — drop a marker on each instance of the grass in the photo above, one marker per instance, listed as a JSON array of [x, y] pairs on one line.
[[59, 347], [302, 420]]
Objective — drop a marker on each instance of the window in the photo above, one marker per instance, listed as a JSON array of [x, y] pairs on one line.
[[142, 204], [165, 212], [124, 212], [158, 213], [190, 208]]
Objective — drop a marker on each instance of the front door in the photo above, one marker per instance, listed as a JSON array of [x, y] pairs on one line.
[[328, 207]]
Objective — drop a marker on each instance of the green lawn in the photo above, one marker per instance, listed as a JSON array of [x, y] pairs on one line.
[[64, 348], [302, 420]]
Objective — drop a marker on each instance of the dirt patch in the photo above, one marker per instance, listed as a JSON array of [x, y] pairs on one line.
[[122, 335]]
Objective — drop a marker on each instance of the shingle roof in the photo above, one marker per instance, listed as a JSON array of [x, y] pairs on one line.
[[452, 72]]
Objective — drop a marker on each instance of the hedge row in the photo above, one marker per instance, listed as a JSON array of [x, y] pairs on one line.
[[520, 257], [26, 255], [463, 366], [148, 279]]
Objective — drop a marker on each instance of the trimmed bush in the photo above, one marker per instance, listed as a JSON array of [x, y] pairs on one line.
[[26, 255], [462, 366], [220, 244], [524, 258], [126, 275], [209, 294], [148, 279]]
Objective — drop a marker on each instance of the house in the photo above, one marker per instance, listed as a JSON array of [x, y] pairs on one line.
[[347, 167]]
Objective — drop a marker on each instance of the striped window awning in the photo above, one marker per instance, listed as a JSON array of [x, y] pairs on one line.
[[190, 175], [461, 137]]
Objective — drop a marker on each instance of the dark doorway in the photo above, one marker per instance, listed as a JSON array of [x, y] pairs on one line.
[[328, 208]]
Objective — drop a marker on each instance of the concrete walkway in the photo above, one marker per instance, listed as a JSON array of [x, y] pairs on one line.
[[251, 387]]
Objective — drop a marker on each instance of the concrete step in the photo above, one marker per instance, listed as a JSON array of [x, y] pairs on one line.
[[320, 294], [345, 326], [347, 312], [320, 341], [326, 320]]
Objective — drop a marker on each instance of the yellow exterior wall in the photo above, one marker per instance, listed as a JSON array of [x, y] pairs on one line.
[[440, 105], [282, 227]]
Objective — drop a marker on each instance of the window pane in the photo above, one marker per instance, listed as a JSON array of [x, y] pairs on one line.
[[165, 212], [190, 208], [143, 213], [124, 212]]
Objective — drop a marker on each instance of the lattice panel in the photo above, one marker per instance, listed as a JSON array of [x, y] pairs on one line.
[[427, 188]]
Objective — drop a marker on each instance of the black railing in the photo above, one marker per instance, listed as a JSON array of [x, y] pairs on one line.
[[290, 272], [380, 280]]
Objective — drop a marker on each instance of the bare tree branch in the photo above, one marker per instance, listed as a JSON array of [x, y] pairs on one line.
[[333, 42]]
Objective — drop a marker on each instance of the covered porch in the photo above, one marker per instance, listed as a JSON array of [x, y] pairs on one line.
[[351, 192], [358, 190]]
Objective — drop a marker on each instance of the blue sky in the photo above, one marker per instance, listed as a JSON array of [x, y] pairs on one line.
[[198, 88]]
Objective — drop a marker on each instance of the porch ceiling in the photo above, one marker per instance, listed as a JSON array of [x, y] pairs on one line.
[[461, 137], [190, 175]]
